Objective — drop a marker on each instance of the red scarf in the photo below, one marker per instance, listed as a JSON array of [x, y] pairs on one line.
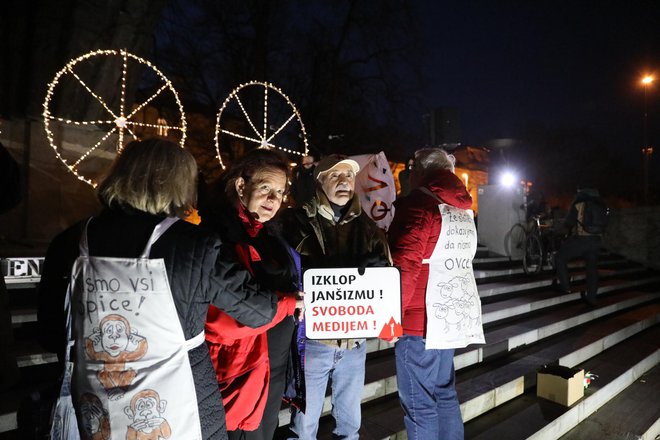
[[252, 227]]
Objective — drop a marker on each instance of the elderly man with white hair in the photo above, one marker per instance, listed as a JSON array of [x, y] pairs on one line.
[[332, 231], [433, 241]]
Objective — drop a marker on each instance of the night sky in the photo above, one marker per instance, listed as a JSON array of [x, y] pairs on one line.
[[562, 79], [506, 64]]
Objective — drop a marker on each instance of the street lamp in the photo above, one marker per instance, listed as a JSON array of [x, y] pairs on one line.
[[647, 150]]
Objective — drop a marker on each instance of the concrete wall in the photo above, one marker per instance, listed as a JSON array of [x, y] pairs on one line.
[[635, 234]]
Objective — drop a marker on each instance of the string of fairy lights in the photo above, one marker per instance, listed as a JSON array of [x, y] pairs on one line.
[[121, 121], [260, 138], [123, 125]]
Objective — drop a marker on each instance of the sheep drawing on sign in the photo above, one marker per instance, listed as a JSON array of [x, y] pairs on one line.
[[114, 343], [474, 312], [95, 422], [146, 411], [456, 305]]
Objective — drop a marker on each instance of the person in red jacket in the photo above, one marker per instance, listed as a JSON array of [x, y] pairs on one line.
[[250, 364], [433, 240]]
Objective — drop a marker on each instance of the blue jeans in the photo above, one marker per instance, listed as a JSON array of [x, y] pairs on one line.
[[345, 368], [426, 388]]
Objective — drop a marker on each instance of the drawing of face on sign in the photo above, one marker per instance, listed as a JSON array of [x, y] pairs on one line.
[[441, 310], [452, 313], [114, 336], [447, 289], [115, 343], [95, 423], [146, 411]]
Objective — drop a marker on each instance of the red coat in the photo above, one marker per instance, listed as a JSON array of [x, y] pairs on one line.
[[240, 355], [412, 237]]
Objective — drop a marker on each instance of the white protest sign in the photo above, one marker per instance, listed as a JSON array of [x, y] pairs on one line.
[[341, 303], [374, 184], [453, 306]]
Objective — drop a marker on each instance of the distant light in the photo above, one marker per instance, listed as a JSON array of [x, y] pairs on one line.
[[648, 79], [508, 179], [465, 178]]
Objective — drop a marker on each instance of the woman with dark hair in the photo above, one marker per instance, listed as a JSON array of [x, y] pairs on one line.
[[139, 286], [251, 363]]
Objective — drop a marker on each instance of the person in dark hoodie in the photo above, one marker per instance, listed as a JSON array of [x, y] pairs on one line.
[[303, 186], [433, 240], [585, 224]]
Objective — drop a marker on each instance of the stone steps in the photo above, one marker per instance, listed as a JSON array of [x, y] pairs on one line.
[[519, 312], [530, 417], [632, 414], [31, 353], [506, 268], [492, 397], [502, 339]]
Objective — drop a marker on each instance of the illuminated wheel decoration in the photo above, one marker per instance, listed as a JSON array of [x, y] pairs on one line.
[[119, 124], [278, 126]]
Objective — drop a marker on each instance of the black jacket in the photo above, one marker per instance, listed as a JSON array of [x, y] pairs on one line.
[[303, 187], [573, 222], [352, 241], [200, 271], [276, 268]]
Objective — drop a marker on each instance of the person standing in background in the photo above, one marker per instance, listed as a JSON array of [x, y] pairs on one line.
[[404, 178], [10, 196], [303, 187], [585, 223]]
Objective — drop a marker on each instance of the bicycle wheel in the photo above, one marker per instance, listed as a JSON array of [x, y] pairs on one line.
[[514, 242], [533, 255]]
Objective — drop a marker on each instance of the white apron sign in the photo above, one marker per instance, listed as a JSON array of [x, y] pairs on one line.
[[341, 303], [453, 307], [131, 377]]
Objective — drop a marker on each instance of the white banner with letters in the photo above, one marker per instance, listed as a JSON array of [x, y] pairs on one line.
[[374, 185], [453, 307], [341, 303]]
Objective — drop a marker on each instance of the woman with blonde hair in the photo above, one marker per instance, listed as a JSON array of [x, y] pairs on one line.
[[139, 285]]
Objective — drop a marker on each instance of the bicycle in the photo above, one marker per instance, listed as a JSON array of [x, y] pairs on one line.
[[540, 245], [535, 243]]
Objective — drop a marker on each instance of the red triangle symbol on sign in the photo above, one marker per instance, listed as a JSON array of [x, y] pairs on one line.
[[390, 330]]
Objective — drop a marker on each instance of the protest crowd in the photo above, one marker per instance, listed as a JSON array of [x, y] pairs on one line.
[[167, 329]]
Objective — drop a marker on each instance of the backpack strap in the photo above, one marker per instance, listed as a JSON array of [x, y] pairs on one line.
[[83, 245]]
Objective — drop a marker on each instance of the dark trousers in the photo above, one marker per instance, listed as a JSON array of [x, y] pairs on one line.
[[279, 343], [586, 247]]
